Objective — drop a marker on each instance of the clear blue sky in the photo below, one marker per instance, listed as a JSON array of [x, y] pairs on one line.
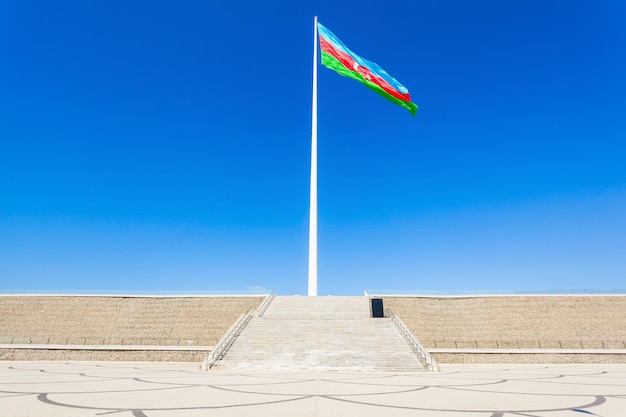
[[164, 146]]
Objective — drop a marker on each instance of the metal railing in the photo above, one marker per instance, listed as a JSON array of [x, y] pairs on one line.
[[235, 330], [421, 353], [224, 343], [266, 303]]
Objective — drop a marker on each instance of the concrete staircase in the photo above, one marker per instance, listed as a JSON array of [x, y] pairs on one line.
[[322, 333]]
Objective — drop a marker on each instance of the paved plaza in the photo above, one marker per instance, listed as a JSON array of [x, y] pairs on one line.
[[141, 389]]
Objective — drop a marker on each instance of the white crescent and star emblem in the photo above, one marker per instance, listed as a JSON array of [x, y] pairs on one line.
[[365, 72]]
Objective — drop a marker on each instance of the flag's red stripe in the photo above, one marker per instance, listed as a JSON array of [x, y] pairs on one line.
[[347, 61]]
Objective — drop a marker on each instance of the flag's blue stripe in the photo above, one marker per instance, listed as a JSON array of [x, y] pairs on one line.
[[373, 67]]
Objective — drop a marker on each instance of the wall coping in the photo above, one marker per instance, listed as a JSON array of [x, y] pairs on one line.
[[139, 295], [491, 295], [531, 351], [106, 347]]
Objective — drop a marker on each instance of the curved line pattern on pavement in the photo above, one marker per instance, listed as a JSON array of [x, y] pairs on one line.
[[397, 391]]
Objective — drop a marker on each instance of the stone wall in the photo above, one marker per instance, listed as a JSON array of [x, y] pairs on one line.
[[515, 322], [119, 320]]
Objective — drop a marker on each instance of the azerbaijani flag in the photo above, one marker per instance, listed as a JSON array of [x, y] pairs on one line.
[[337, 57]]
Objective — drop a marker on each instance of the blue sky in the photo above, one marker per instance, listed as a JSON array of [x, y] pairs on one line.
[[164, 147]]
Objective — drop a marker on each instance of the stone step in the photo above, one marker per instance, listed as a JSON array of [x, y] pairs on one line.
[[320, 333]]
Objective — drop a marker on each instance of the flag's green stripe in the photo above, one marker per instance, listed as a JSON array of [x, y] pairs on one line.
[[332, 63]]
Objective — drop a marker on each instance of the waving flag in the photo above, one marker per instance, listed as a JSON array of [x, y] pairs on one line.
[[337, 56]]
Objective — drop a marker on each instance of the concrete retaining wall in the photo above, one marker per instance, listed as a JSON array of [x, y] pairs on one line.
[[101, 355], [528, 358]]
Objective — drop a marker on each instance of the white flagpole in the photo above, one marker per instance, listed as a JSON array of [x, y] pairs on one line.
[[313, 197]]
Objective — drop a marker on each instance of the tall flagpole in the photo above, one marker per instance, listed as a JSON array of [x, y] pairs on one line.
[[313, 197]]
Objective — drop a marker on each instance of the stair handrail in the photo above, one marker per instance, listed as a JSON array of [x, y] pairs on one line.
[[266, 303], [224, 343], [426, 358]]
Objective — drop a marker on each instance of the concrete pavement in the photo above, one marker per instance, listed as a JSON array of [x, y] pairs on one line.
[[141, 389]]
